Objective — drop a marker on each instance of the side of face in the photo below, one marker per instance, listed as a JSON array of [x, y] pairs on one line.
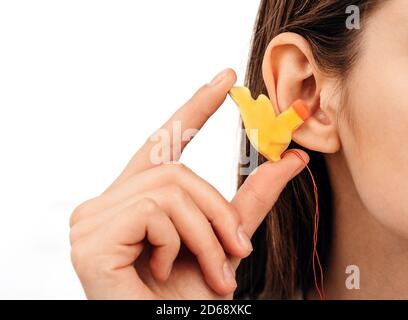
[[375, 143]]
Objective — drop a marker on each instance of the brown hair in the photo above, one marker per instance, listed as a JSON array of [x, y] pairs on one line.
[[280, 264]]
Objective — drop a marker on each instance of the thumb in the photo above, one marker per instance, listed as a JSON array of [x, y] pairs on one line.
[[262, 188]]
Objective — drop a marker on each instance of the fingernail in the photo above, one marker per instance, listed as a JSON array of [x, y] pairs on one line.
[[218, 78], [244, 239], [229, 274]]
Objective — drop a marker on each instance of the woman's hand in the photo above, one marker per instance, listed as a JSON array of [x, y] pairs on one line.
[[162, 232]]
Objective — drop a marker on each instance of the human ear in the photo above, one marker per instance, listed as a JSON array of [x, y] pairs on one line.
[[290, 73]]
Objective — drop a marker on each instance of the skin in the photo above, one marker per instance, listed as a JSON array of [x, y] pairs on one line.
[[161, 232], [371, 216], [364, 138]]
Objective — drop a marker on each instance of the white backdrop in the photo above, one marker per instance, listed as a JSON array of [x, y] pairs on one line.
[[82, 85]]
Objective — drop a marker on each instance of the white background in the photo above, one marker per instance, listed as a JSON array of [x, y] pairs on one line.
[[82, 85]]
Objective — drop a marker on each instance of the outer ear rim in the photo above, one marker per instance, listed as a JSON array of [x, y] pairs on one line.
[[287, 38], [303, 134]]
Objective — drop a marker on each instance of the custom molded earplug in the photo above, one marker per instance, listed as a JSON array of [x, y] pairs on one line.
[[274, 132]]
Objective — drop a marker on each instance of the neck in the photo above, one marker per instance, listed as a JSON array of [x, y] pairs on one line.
[[359, 240]]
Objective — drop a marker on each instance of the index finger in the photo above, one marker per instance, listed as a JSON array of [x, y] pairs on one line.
[[192, 115]]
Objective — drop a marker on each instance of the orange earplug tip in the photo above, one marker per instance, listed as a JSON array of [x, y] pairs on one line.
[[301, 109]]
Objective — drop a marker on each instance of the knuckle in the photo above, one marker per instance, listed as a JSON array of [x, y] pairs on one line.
[[197, 95], [249, 189], [177, 193], [177, 168], [89, 266], [147, 206], [80, 211], [73, 235], [79, 257]]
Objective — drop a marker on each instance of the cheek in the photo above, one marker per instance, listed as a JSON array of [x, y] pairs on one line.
[[376, 148]]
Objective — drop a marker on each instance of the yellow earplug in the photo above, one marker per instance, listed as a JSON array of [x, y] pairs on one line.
[[274, 133]]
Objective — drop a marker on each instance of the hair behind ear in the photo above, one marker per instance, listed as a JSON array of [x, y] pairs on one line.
[[280, 264]]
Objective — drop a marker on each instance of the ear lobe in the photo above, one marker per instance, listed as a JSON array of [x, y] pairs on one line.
[[290, 73]]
